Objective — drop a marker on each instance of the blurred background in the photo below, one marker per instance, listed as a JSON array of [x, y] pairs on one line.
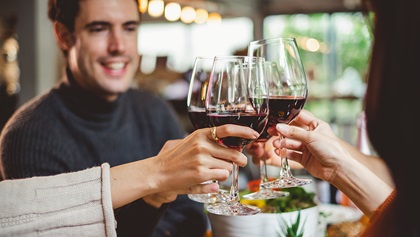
[[334, 38]]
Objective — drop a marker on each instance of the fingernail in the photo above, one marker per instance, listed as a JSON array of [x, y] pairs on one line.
[[256, 134], [214, 188], [281, 127]]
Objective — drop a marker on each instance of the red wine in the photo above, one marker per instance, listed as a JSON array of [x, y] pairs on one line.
[[199, 119], [252, 120], [282, 109]]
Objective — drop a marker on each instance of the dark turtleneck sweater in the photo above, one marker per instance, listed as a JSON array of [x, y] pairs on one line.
[[69, 129]]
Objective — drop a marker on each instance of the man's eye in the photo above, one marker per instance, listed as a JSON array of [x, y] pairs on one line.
[[97, 29], [131, 27]]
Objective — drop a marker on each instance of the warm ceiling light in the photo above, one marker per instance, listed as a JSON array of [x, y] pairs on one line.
[[187, 14], [172, 11], [201, 16], [143, 5], [156, 8], [214, 18]]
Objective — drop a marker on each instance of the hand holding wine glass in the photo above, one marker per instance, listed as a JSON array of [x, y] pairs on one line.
[[237, 94], [288, 94]]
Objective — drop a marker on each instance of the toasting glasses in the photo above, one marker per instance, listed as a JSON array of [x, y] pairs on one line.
[[196, 101], [288, 93], [237, 94], [271, 71]]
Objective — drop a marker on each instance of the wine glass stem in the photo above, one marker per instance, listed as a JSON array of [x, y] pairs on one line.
[[263, 171], [234, 190], [285, 171]]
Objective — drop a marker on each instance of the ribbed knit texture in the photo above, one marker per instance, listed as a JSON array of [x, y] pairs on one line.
[[71, 204], [69, 129]]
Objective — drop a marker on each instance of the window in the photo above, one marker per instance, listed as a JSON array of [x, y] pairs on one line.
[[335, 50]]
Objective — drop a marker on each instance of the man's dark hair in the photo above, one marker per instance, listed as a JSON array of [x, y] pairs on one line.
[[65, 11]]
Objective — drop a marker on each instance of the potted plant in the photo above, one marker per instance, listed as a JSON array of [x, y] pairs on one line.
[[296, 215]]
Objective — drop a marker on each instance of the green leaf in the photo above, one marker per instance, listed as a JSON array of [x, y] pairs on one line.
[[292, 230]]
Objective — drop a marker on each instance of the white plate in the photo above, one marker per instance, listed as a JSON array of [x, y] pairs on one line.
[[338, 213]]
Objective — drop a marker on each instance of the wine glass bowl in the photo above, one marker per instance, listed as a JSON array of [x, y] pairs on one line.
[[197, 91], [255, 121], [237, 94], [196, 101], [287, 95]]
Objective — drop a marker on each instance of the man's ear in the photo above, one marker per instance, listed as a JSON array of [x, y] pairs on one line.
[[63, 36]]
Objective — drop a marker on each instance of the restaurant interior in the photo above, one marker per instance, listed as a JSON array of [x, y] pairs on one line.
[[334, 39]]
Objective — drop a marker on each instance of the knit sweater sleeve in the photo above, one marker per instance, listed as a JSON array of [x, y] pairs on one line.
[[70, 204]]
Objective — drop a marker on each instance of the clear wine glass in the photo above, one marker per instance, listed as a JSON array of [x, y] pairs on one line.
[[196, 101], [288, 94], [266, 193], [237, 94]]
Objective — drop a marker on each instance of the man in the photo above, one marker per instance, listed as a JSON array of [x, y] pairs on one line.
[[93, 116]]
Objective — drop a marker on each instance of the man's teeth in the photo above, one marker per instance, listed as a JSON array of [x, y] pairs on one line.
[[115, 66]]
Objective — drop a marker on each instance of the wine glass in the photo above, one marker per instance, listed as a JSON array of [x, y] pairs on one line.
[[237, 94], [288, 94], [196, 101], [266, 193]]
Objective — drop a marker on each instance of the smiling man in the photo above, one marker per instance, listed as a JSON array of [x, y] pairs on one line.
[[93, 116], [102, 49]]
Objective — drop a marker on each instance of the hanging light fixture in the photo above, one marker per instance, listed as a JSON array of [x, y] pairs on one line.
[[143, 4], [156, 8], [214, 18], [197, 13], [201, 16], [187, 14], [172, 11]]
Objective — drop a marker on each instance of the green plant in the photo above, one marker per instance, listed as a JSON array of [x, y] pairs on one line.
[[292, 230], [298, 199]]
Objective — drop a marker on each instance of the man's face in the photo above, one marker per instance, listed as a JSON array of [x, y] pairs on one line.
[[104, 58]]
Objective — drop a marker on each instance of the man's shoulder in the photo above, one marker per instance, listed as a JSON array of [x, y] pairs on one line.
[[38, 108]]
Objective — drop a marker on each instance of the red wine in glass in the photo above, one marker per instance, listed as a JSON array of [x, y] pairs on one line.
[[282, 109], [288, 89], [252, 120], [199, 118]]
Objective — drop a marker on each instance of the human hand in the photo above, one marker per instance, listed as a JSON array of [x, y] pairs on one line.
[[183, 165], [312, 143], [260, 150], [157, 199]]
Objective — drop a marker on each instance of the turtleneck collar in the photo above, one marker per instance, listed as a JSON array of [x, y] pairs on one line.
[[85, 103]]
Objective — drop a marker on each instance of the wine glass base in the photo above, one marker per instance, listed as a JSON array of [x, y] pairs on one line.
[[221, 196], [232, 209], [265, 193], [287, 182]]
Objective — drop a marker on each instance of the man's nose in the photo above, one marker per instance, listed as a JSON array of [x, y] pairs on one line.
[[116, 43]]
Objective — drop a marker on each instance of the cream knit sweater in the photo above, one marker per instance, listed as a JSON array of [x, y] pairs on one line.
[[71, 204]]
